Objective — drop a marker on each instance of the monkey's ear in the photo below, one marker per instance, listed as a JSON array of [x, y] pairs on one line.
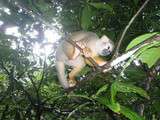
[[104, 38]]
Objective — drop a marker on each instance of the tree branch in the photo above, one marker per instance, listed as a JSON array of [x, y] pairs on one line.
[[126, 28]]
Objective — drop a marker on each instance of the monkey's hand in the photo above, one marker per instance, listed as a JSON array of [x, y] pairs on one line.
[[72, 83], [87, 52]]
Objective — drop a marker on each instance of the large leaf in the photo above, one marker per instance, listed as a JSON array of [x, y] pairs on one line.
[[150, 53], [140, 39], [86, 17], [106, 102], [116, 107], [113, 105], [79, 96], [130, 114], [119, 108], [124, 87], [101, 5], [150, 56], [102, 89]]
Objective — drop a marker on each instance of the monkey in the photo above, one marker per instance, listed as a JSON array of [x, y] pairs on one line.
[[67, 54]]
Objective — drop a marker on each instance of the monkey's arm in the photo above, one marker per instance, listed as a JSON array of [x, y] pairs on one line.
[[61, 74], [100, 61], [72, 75]]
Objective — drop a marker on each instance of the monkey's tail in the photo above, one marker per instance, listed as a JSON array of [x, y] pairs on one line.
[[61, 74]]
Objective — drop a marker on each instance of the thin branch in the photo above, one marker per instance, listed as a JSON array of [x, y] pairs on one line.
[[126, 29], [32, 81], [43, 75]]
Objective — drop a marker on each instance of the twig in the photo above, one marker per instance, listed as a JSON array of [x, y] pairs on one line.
[[43, 75], [126, 28]]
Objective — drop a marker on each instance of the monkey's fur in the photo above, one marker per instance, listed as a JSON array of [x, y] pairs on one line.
[[67, 54]]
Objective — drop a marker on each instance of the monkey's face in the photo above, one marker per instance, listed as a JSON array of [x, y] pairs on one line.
[[105, 46]]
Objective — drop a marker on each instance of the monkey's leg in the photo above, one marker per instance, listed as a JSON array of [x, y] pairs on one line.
[[72, 81], [98, 60], [61, 74]]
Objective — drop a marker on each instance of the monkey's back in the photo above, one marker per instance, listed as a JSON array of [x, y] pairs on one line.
[[82, 35], [66, 50]]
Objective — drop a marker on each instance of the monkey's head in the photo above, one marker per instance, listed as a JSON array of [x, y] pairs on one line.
[[104, 46]]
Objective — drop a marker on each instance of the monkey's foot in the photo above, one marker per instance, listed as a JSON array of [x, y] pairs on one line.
[[72, 83]]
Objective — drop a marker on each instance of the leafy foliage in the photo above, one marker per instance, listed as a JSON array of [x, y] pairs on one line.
[[115, 106], [29, 87], [102, 6], [149, 54], [86, 17]]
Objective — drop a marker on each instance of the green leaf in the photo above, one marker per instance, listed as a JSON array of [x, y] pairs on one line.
[[130, 114], [38, 75], [140, 39], [102, 89], [79, 96], [101, 5], [2, 77], [119, 108], [150, 56], [124, 87], [106, 101], [86, 17], [156, 106], [76, 109], [84, 71]]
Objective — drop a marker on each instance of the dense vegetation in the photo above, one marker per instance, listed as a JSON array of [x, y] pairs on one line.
[[29, 88]]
